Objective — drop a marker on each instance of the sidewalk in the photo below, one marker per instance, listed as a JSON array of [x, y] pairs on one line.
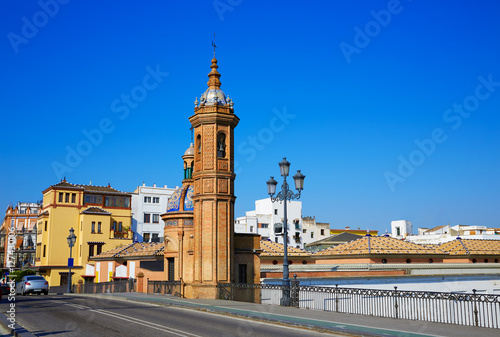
[[328, 321]]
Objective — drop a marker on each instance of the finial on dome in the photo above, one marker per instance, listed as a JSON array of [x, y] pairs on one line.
[[213, 76], [213, 44]]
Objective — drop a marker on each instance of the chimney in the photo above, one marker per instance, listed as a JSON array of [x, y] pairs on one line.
[[154, 184]]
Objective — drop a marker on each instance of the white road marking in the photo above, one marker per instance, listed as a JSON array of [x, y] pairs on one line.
[[83, 307], [145, 323], [251, 320], [78, 306]]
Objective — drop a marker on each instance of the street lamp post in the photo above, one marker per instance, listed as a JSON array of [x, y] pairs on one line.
[[284, 195], [71, 242]]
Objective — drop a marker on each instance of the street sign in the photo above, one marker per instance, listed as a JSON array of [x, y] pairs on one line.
[[70, 262]]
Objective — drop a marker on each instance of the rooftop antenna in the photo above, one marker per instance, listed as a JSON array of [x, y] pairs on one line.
[[213, 44]]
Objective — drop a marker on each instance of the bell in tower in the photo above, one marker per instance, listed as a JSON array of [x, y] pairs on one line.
[[213, 176]]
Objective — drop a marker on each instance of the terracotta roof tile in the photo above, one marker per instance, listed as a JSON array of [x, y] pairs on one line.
[[435, 229], [96, 210], [88, 188], [471, 247], [134, 250], [368, 245], [270, 248]]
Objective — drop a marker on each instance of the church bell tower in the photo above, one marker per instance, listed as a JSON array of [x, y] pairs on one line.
[[213, 175]]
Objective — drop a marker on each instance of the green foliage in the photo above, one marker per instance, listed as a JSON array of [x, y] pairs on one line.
[[20, 274]]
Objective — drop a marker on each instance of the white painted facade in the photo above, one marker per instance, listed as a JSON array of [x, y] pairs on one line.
[[267, 214], [457, 278], [447, 233], [313, 231], [400, 229], [148, 203]]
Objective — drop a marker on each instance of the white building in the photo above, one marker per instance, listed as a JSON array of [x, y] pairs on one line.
[[148, 203], [313, 231], [442, 234], [267, 214], [400, 229]]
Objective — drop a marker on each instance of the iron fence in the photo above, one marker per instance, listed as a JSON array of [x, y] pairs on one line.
[[471, 309], [165, 287], [61, 289], [117, 286]]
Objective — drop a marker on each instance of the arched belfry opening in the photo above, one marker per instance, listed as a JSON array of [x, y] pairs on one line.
[[200, 214], [221, 145]]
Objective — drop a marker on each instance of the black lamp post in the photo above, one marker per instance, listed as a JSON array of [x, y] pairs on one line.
[[284, 195], [71, 242]]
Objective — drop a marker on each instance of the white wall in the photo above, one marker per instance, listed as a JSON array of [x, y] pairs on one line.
[[139, 207], [484, 284], [405, 229]]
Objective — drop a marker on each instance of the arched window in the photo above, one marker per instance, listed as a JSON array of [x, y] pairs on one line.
[[221, 145], [198, 144]]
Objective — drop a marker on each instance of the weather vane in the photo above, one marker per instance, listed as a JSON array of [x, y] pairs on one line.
[[213, 44]]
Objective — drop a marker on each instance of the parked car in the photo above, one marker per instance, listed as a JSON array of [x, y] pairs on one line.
[[32, 284], [5, 288]]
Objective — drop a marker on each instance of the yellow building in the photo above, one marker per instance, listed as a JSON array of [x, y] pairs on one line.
[[358, 231], [101, 217]]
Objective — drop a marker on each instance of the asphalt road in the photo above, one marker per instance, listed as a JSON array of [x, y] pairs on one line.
[[63, 315]]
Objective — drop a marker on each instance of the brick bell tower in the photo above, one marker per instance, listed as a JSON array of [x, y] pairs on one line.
[[213, 175]]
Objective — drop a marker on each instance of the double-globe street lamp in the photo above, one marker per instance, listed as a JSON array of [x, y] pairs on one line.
[[284, 195], [71, 242]]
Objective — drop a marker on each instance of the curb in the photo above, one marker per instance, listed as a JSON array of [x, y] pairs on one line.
[[18, 329]]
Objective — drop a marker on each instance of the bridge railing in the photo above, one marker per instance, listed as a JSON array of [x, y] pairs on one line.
[[471, 309], [116, 286], [165, 287]]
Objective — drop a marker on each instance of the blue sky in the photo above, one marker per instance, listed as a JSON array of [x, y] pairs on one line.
[[390, 109]]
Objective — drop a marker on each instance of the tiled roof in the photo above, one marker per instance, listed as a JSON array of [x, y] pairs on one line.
[[134, 250], [368, 245], [471, 247], [96, 210], [435, 229], [270, 248], [335, 239], [102, 189], [150, 249], [88, 188]]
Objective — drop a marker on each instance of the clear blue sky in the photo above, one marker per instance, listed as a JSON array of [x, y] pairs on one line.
[[344, 89]]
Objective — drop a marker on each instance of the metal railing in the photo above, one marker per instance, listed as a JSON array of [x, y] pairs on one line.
[[456, 308], [61, 289], [117, 286], [165, 287]]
